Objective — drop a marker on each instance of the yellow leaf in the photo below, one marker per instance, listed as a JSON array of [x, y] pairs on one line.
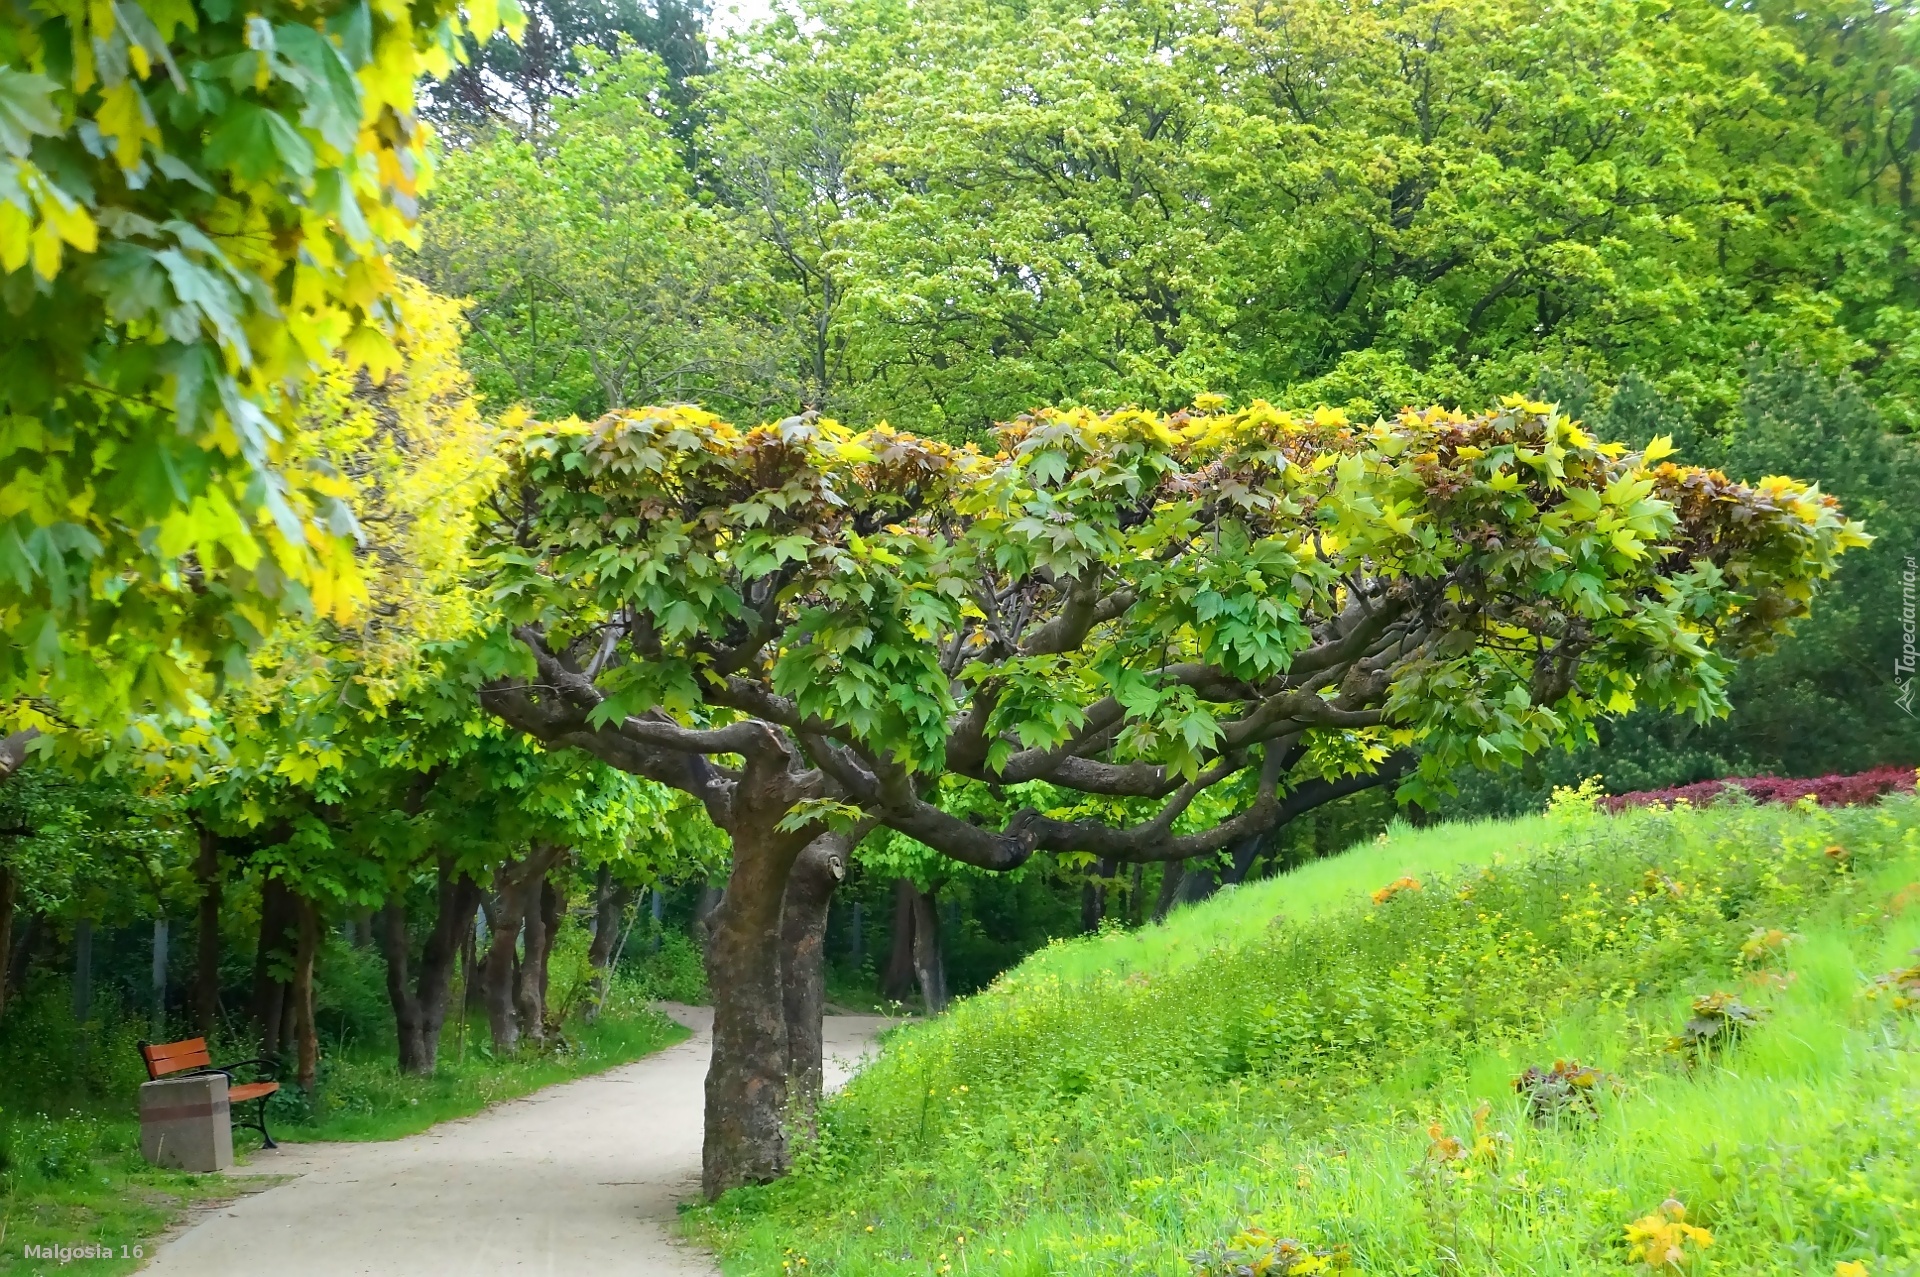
[[73, 222], [483, 19], [46, 251], [1662, 446], [124, 117], [367, 347], [16, 229]]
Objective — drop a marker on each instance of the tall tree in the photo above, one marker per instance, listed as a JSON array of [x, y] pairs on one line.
[[518, 82]]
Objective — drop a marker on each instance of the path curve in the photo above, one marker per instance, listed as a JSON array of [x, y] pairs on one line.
[[581, 1177]]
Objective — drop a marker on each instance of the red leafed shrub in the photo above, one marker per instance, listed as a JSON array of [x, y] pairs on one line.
[[1828, 791]]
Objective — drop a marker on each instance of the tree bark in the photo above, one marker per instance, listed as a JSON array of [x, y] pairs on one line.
[[14, 975], [9, 895], [514, 1006], [803, 935], [1170, 875], [542, 904], [269, 991], [1136, 907], [391, 929], [161, 954], [610, 901], [896, 983], [83, 970], [458, 896], [746, 1110], [420, 1003], [206, 962], [1245, 853], [929, 962], [306, 1036]]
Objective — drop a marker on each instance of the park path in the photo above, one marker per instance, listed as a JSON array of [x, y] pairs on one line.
[[581, 1177]]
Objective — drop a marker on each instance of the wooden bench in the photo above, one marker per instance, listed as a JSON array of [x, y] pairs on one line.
[[190, 1058]]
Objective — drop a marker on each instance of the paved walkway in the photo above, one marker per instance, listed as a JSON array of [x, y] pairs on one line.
[[579, 1178]]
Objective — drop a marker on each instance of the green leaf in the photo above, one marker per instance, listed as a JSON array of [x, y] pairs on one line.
[[254, 144], [26, 109]]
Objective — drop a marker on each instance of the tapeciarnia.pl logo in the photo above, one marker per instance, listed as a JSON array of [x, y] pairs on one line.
[[1903, 663]]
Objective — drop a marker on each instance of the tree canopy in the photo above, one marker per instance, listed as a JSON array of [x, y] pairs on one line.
[[1131, 605]]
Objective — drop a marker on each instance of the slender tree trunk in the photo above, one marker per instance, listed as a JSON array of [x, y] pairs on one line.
[[14, 975], [897, 981], [929, 963], [206, 961], [703, 910], [1245, 854], [9, 894], [269, 991], [1170, 875], [1200, 881], [161, 953], [394, 946], [83, 969], [610, 901], [803, 934], [1136, 907], [307, 1038]]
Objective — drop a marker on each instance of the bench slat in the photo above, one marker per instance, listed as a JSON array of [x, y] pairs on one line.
[[172, 1057]]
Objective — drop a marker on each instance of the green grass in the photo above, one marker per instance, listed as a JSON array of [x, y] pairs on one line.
[[1120, 1105], [1238, 914], [76, 1177]]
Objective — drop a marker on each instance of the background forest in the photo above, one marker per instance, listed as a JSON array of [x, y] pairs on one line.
[[1683, 219]]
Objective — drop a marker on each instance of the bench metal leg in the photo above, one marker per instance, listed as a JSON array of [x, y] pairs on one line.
[[259, 1123]]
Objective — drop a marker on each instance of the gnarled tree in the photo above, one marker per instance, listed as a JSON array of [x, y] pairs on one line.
[[1192, 623]]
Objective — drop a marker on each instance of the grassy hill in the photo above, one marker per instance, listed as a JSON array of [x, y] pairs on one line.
[[1300, 1077]]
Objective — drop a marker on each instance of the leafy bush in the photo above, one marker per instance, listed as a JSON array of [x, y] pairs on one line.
[[675, 971], [1124, 1118]]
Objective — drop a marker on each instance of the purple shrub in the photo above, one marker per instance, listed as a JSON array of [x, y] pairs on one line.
[[1828, 791]]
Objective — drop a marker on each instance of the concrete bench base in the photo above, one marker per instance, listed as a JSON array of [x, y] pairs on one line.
[[185, 1124]]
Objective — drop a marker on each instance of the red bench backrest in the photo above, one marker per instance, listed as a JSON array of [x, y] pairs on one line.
[[171, 1057]]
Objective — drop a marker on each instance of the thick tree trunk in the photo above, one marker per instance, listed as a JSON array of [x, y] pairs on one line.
[[420, 1004], [542, 905], [896, 982], [746, 1109], [206, 961], [458, 896], [497, 972], [515, 983], [929, 962], [9, 894], [391, 930], [306, 1036], [803, 935], [269, 991]]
